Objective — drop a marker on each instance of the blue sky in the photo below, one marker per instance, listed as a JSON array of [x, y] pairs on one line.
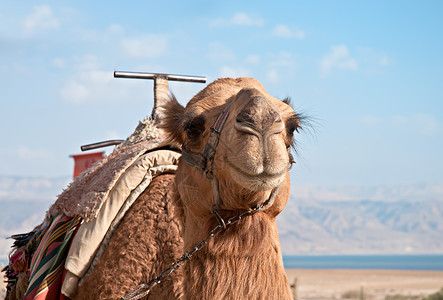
[[369, 73]]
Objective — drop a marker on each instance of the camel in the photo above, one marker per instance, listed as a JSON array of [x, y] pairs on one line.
[[236, 143]]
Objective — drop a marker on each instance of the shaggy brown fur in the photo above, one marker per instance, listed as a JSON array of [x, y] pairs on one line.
[[85, 196], [242, 263], [146, 242], [252, 159]]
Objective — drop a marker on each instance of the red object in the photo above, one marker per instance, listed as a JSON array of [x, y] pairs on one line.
[[83, 162]]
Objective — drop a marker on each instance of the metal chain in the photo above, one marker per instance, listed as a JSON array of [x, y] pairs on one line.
[[144, 289]]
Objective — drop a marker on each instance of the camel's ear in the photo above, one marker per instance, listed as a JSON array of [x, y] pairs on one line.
[[194, 127], [171, 117]]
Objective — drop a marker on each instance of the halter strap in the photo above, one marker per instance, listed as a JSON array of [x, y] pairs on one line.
[[221, 120], [205, 161], [201, 160]]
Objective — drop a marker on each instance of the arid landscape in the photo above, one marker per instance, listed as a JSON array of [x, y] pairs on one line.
[[323, 225], [364, 284], [357, 284], [396, 219]]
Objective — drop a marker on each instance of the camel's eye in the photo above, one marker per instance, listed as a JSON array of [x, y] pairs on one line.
[[195, 127], [292, 124]]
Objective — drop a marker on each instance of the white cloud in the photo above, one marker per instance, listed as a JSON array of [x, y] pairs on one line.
[[245, 20], [239, 19], [86, 62], [110, 34], [31, 154], [273, 76], [400, 120], [239, 71], [219, 52], [373, 58], [384, 60], [41, 17], [58, 62], [16, 67], [338, 58], [369, 120], [75, 92], [115, 29], [284, 31], [280, 65], [148, 46], [282, 59], [253, 59], [91, 84], [25, 153], [426, 124], [83, 85], [423, 124]]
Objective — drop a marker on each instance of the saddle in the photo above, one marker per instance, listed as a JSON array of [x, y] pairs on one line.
[[64, 249]]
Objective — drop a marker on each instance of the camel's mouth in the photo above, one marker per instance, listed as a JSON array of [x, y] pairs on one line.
[[257, 182]]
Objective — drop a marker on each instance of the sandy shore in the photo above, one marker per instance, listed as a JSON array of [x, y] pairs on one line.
[[375, 284]]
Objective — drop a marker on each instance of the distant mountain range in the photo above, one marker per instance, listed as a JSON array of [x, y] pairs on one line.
[[362, 227], [317, 220]]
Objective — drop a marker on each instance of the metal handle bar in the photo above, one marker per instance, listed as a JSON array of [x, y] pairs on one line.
[[101, 144], [171, 77]]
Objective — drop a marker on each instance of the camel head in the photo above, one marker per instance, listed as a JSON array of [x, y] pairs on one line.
[[252, 158]]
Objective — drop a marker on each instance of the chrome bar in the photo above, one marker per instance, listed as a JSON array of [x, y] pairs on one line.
[[101, 144], [171, 77]]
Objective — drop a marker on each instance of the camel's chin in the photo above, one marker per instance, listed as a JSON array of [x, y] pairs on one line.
[[264, 185], [261, 182]]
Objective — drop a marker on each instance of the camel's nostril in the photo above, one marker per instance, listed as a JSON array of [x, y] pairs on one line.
[[245, 117]]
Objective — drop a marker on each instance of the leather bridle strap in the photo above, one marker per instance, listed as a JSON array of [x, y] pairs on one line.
[[205, 161], [201, 160]]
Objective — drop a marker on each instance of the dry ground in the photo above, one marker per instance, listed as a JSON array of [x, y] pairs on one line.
[[376, 284]]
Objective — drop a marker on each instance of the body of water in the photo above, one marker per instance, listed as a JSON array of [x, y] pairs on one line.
[[380, 262], [383, 262]]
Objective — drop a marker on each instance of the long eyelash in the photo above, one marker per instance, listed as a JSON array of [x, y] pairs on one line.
[[307, 124], [288, 101]]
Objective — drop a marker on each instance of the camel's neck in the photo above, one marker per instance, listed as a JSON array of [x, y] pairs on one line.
[[242, 262]]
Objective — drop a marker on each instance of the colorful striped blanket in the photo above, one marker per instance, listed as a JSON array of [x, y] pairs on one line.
[[45, 269], [47, 265]]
